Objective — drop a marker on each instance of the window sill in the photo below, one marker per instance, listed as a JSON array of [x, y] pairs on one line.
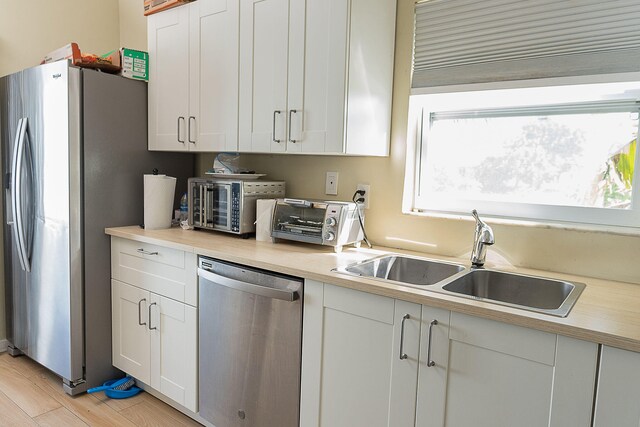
[[566, 226]]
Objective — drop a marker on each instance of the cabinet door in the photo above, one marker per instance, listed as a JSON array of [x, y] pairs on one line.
[[168, 42], [370, 77], [174, 349], [352, 370], [318, 42], [488, 373], [130, 334], [263, 75], [213, 94], [618, 389]]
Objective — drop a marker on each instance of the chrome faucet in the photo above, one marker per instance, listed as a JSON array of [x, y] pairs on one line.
[[483, 237]]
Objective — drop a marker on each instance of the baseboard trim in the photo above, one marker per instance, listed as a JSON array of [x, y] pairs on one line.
[[3, 345]]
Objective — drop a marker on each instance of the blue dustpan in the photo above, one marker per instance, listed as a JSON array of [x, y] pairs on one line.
[[118, 389]]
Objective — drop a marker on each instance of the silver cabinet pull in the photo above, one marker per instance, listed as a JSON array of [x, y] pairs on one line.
[[151, 305], [189, 129], [140, 322], [430, 363], [290, 114], [181, 141], [275, 113], [143, 252], [403, 355]]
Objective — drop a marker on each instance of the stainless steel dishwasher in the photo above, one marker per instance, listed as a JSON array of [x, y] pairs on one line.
[[250, 345]]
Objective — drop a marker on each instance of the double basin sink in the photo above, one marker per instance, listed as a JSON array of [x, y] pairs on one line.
[[539, 294]]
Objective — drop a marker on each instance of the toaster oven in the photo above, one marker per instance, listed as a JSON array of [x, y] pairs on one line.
[[325, 223], [228, 205]]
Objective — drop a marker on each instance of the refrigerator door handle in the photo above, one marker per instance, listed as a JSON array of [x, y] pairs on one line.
[[16, 194]]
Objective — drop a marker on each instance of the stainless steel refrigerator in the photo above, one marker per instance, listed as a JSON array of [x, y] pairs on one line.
[[74, 151]]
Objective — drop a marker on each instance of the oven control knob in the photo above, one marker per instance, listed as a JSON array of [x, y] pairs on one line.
[[330, 221], [329, 236]]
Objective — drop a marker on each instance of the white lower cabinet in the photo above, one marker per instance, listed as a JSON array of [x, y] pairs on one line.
[[458, 371], [352, 370], [130, 334], [488, 373], [154, 331], [617, 401], [155, 341]]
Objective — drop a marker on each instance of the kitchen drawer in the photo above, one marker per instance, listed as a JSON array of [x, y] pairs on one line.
[[164, 271]]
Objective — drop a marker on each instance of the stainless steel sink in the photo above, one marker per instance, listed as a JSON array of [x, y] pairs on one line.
[[403, 269], [543, 295], [539, 294]]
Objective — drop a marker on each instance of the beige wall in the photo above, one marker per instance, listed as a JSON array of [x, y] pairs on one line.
[[587, 253], [133, 24], [29, 29]]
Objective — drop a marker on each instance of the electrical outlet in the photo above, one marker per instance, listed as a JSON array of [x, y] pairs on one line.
[[331, 185], [367, 194]]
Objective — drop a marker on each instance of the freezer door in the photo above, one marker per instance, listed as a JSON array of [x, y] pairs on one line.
[[53, 286]]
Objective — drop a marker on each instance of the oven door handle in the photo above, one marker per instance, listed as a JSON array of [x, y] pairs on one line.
[[247, 287]]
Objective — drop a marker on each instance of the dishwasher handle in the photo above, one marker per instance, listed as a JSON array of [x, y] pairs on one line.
[[247, 287]]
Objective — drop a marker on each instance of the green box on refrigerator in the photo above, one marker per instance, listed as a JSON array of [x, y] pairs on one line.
[[135, 64]]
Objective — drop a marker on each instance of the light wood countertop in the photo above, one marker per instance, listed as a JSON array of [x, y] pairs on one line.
[[607, 312]]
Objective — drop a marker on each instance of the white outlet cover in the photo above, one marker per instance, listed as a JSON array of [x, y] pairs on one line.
[[367, 194], [331, 185]]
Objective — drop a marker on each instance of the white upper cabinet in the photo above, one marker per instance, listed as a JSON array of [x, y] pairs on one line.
[[316, 76], [168, 39], [263, 75], [193, 77]]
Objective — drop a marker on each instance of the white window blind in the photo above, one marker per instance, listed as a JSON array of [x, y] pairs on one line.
[[477, 41]]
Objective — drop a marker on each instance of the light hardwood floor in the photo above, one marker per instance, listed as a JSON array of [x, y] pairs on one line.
[[30, 395]]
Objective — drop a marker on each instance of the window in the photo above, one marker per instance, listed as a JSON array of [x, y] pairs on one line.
[[560, 153]]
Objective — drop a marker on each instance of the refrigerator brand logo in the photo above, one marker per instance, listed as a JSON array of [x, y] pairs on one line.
[[57, 76]]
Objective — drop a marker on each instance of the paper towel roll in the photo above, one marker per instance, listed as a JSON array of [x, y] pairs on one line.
[[159, 192]]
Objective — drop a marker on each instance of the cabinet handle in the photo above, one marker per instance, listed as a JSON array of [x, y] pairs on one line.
[[151, 305], [290, 114], [189, 129], [143, 252], [430, 363], [181, 141], [140, 322], [275, 113], [403, 355]]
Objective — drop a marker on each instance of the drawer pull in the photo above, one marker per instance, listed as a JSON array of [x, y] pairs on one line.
[[142, 251], [403, 355], [140, 322]]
